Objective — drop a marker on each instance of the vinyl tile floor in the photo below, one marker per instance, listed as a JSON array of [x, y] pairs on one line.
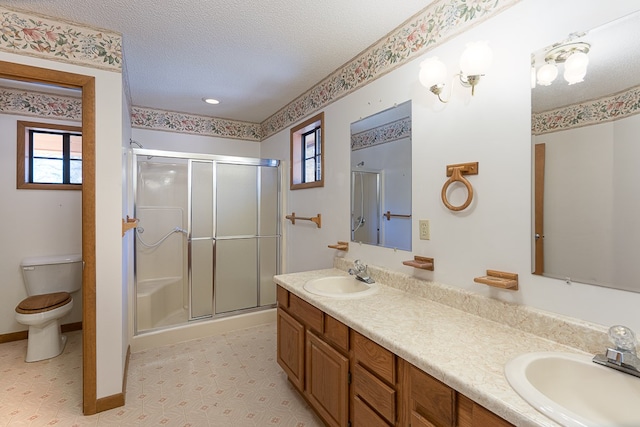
[[231, 379]]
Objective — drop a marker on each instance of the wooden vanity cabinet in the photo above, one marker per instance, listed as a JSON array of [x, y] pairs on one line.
[[321, 354], [313, 350]]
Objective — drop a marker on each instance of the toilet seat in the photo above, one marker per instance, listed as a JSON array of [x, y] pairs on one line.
[[43, 303]]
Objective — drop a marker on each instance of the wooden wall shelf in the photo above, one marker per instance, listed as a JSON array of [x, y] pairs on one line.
[[341, 246], [499, 279], [421, 262], [315, 219], [128, 224]]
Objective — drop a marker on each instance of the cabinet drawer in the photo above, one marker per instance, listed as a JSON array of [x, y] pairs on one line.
[[363, 416], [378, 359], [336, 332], [304, 311], [432, 399], [282, 296], [375, 392]]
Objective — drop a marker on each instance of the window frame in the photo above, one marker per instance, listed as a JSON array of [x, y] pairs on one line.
[[298, 153], [24, 156]]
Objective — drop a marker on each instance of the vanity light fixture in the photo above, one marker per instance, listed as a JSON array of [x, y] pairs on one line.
[[574, 57], [474, 62]]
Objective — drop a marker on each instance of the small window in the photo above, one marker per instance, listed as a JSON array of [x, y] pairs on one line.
[[49, 156], [307, 154]]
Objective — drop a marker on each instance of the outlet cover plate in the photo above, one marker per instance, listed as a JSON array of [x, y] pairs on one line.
[[425, 230]]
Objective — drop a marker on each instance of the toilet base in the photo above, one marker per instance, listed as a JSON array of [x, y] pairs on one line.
[[45, 341]]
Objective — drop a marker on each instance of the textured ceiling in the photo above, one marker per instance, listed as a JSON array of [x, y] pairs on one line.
[[255, 57]]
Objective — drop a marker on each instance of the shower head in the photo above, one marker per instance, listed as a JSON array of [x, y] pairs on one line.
[[361, 164], [131, 142]]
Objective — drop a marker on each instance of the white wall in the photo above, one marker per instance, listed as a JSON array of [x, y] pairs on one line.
[[493, 128], [34, 223], [109, 310]]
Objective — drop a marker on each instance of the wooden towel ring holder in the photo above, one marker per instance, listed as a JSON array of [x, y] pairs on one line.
[[456, 173]]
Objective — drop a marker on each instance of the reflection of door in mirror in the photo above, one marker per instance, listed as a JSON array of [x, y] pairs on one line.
[[381, 178], [586, 178]]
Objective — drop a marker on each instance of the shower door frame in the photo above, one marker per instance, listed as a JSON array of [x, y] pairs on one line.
[[215, 160]]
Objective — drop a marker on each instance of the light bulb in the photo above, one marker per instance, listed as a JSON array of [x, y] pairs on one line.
[[433, 72], [547, 74], [575, 67], [476, 59]]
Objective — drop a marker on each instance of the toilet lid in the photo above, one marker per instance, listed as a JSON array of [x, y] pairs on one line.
[[41, 303]]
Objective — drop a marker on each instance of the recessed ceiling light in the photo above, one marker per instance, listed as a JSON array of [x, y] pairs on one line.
[[211, 101]]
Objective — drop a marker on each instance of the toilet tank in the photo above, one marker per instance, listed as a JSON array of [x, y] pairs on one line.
[[48, 274]]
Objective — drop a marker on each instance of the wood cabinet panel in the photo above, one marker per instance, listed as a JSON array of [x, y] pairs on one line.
[[470, 414], [418, 420], [432, 399], [327, 385], [375, 357], [282, 296], [336, 332], [375, 392], [291, 348], [308, 314], [364, 416]]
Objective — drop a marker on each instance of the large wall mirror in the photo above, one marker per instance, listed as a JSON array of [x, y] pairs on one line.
[[586, 153], [381, 178]]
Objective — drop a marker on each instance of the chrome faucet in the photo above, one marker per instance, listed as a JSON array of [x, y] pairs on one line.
[[623, 357], [361, 272]]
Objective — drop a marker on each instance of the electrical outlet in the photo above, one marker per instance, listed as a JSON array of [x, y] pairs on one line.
[[425, 230]]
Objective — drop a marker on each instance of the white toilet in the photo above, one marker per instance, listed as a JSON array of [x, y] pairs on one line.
[[49, 281]]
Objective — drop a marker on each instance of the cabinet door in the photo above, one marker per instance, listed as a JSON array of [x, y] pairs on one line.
[[291, 348], [470, 414], [327, 385], [434, 401]]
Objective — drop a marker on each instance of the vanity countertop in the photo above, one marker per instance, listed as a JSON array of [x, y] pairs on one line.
[[465, 351]]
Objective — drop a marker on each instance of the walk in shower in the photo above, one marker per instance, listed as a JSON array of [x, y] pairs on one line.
[[208, 238]]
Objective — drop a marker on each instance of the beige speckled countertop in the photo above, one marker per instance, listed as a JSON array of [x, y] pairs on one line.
[[463, 350]]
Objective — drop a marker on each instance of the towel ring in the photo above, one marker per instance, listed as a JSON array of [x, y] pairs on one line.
[[456, 176]]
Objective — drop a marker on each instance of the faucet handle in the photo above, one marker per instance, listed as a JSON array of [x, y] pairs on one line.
[[623, 338]]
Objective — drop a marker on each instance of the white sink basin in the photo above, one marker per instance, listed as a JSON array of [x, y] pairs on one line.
[[574, 391], [340, 287]]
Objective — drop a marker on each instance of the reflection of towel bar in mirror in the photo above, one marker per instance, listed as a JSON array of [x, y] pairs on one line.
[[456, 172], [499, 279], [421, 262], [315, 219], [389, 215], [341, 246]]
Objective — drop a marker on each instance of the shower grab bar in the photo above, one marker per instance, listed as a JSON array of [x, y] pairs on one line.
[[140, 230]]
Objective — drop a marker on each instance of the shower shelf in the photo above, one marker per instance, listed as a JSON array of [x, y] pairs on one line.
[[128, 224], [316, 219], [421, 262]]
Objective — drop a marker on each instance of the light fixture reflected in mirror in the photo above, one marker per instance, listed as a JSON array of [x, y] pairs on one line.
[[474, 62], [572, 54]]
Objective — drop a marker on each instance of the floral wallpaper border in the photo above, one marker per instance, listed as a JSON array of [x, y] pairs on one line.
[[389, 132], [30, 103], [150, 118], [601, 110], [52, 38]]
